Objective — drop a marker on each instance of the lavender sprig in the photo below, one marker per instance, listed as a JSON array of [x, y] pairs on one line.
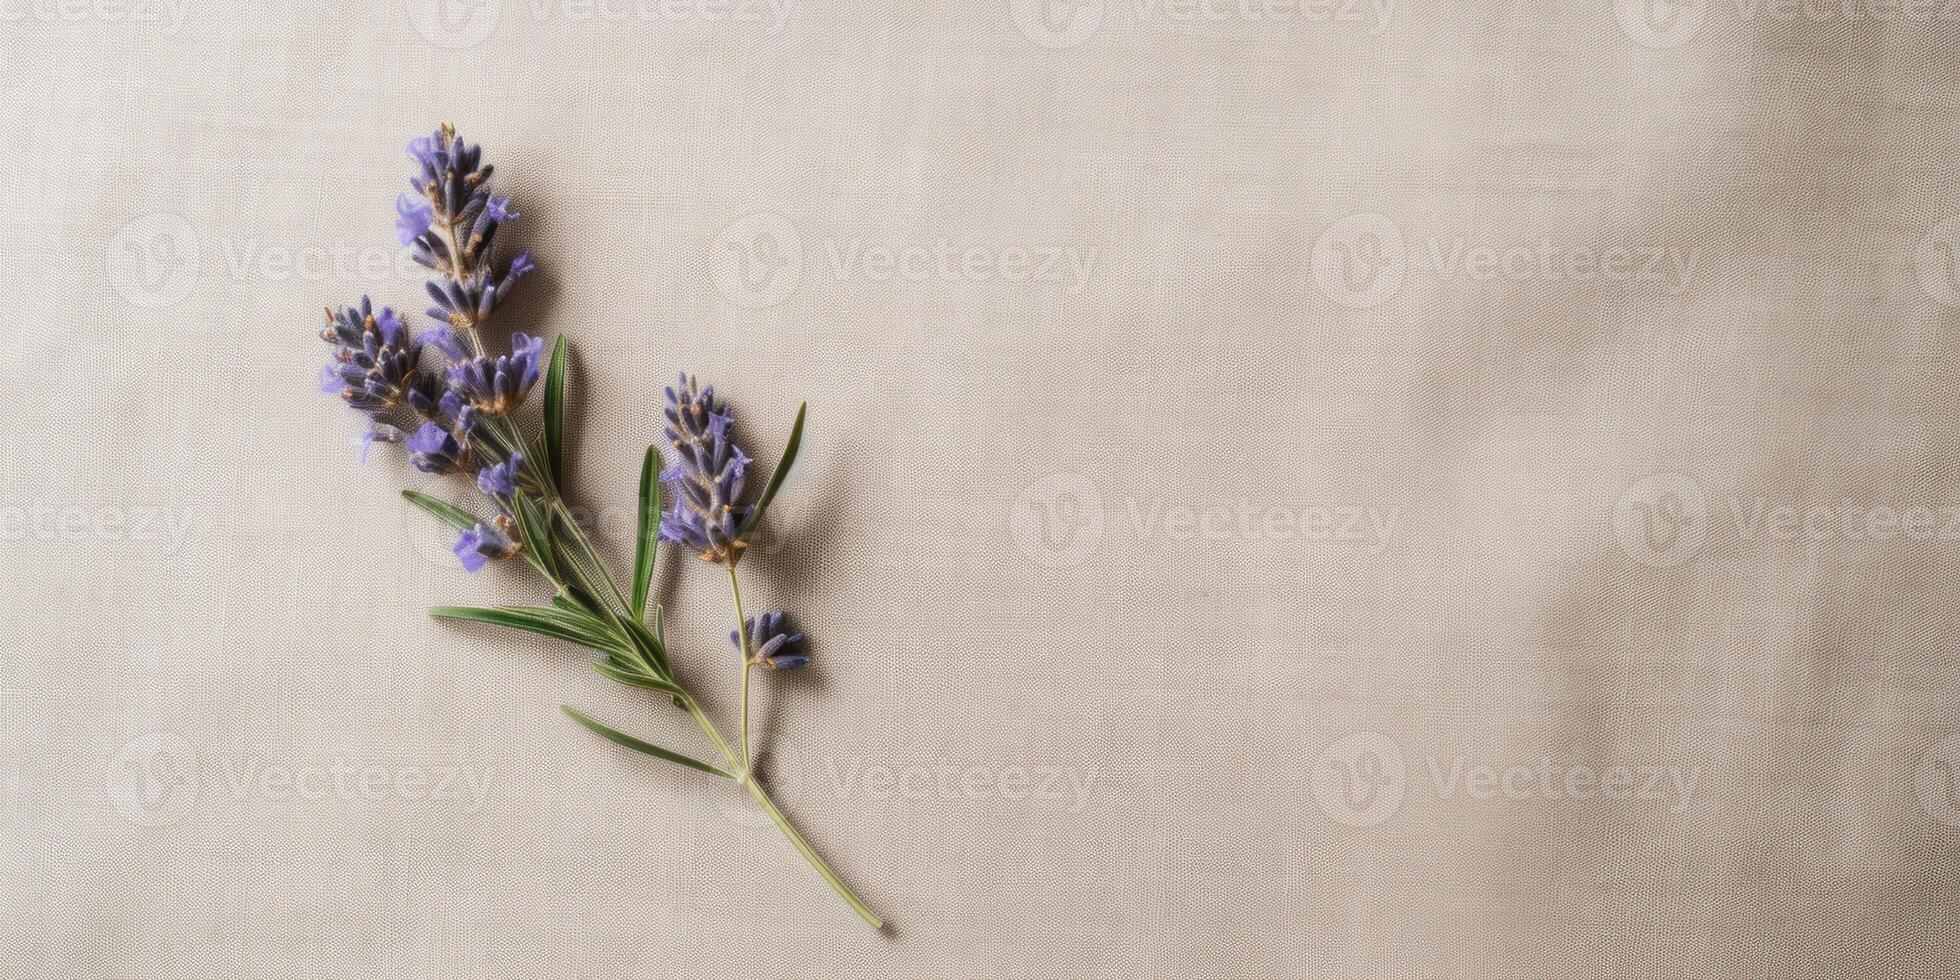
[[460, 419]]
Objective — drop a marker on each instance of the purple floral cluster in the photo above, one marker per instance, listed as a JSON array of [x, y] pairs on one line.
[[708, 516], [776, 646], [450, 218]]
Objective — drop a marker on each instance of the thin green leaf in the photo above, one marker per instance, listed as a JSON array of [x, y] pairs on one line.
[[634, 678], [782, 471], [456, 516], [554, 412], [536, 532], [528, 620], [649, 531], [651, 647], [621, 738], [600, 633], [660, 623]]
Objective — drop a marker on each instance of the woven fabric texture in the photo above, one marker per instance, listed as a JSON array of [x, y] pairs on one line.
[[1338, 489]]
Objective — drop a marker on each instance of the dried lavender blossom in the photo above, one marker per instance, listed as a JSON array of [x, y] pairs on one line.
[[772, 643], [481, 544], [497, 385], [434, 449], [375, 360], [707, 516]]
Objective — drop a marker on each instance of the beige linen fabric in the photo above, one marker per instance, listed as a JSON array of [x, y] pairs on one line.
[[1386, 489]]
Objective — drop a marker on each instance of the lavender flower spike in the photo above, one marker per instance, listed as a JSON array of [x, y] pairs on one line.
[[707, 515], [774, 645], [374, 360], [450, 218]]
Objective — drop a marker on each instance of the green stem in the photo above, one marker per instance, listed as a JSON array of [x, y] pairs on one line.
[[742, 631], [809, 853], [796, 839]]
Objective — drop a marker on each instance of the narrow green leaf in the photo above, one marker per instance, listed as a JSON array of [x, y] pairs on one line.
[[655, 651], [536, 532], [782, 471], [554, 411], [456, 516], [578, 621], [635, 678], [660, 623], [528, 620], [649, 531], [621, 738]]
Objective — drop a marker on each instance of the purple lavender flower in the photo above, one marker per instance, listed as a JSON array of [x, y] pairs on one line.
[[499, 482], [775, 646], [451, 220], [707, 515], [497, 385], [482, 544], [378, 431], [461, 304], [412, 218], [433, 449], [374, 361]]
